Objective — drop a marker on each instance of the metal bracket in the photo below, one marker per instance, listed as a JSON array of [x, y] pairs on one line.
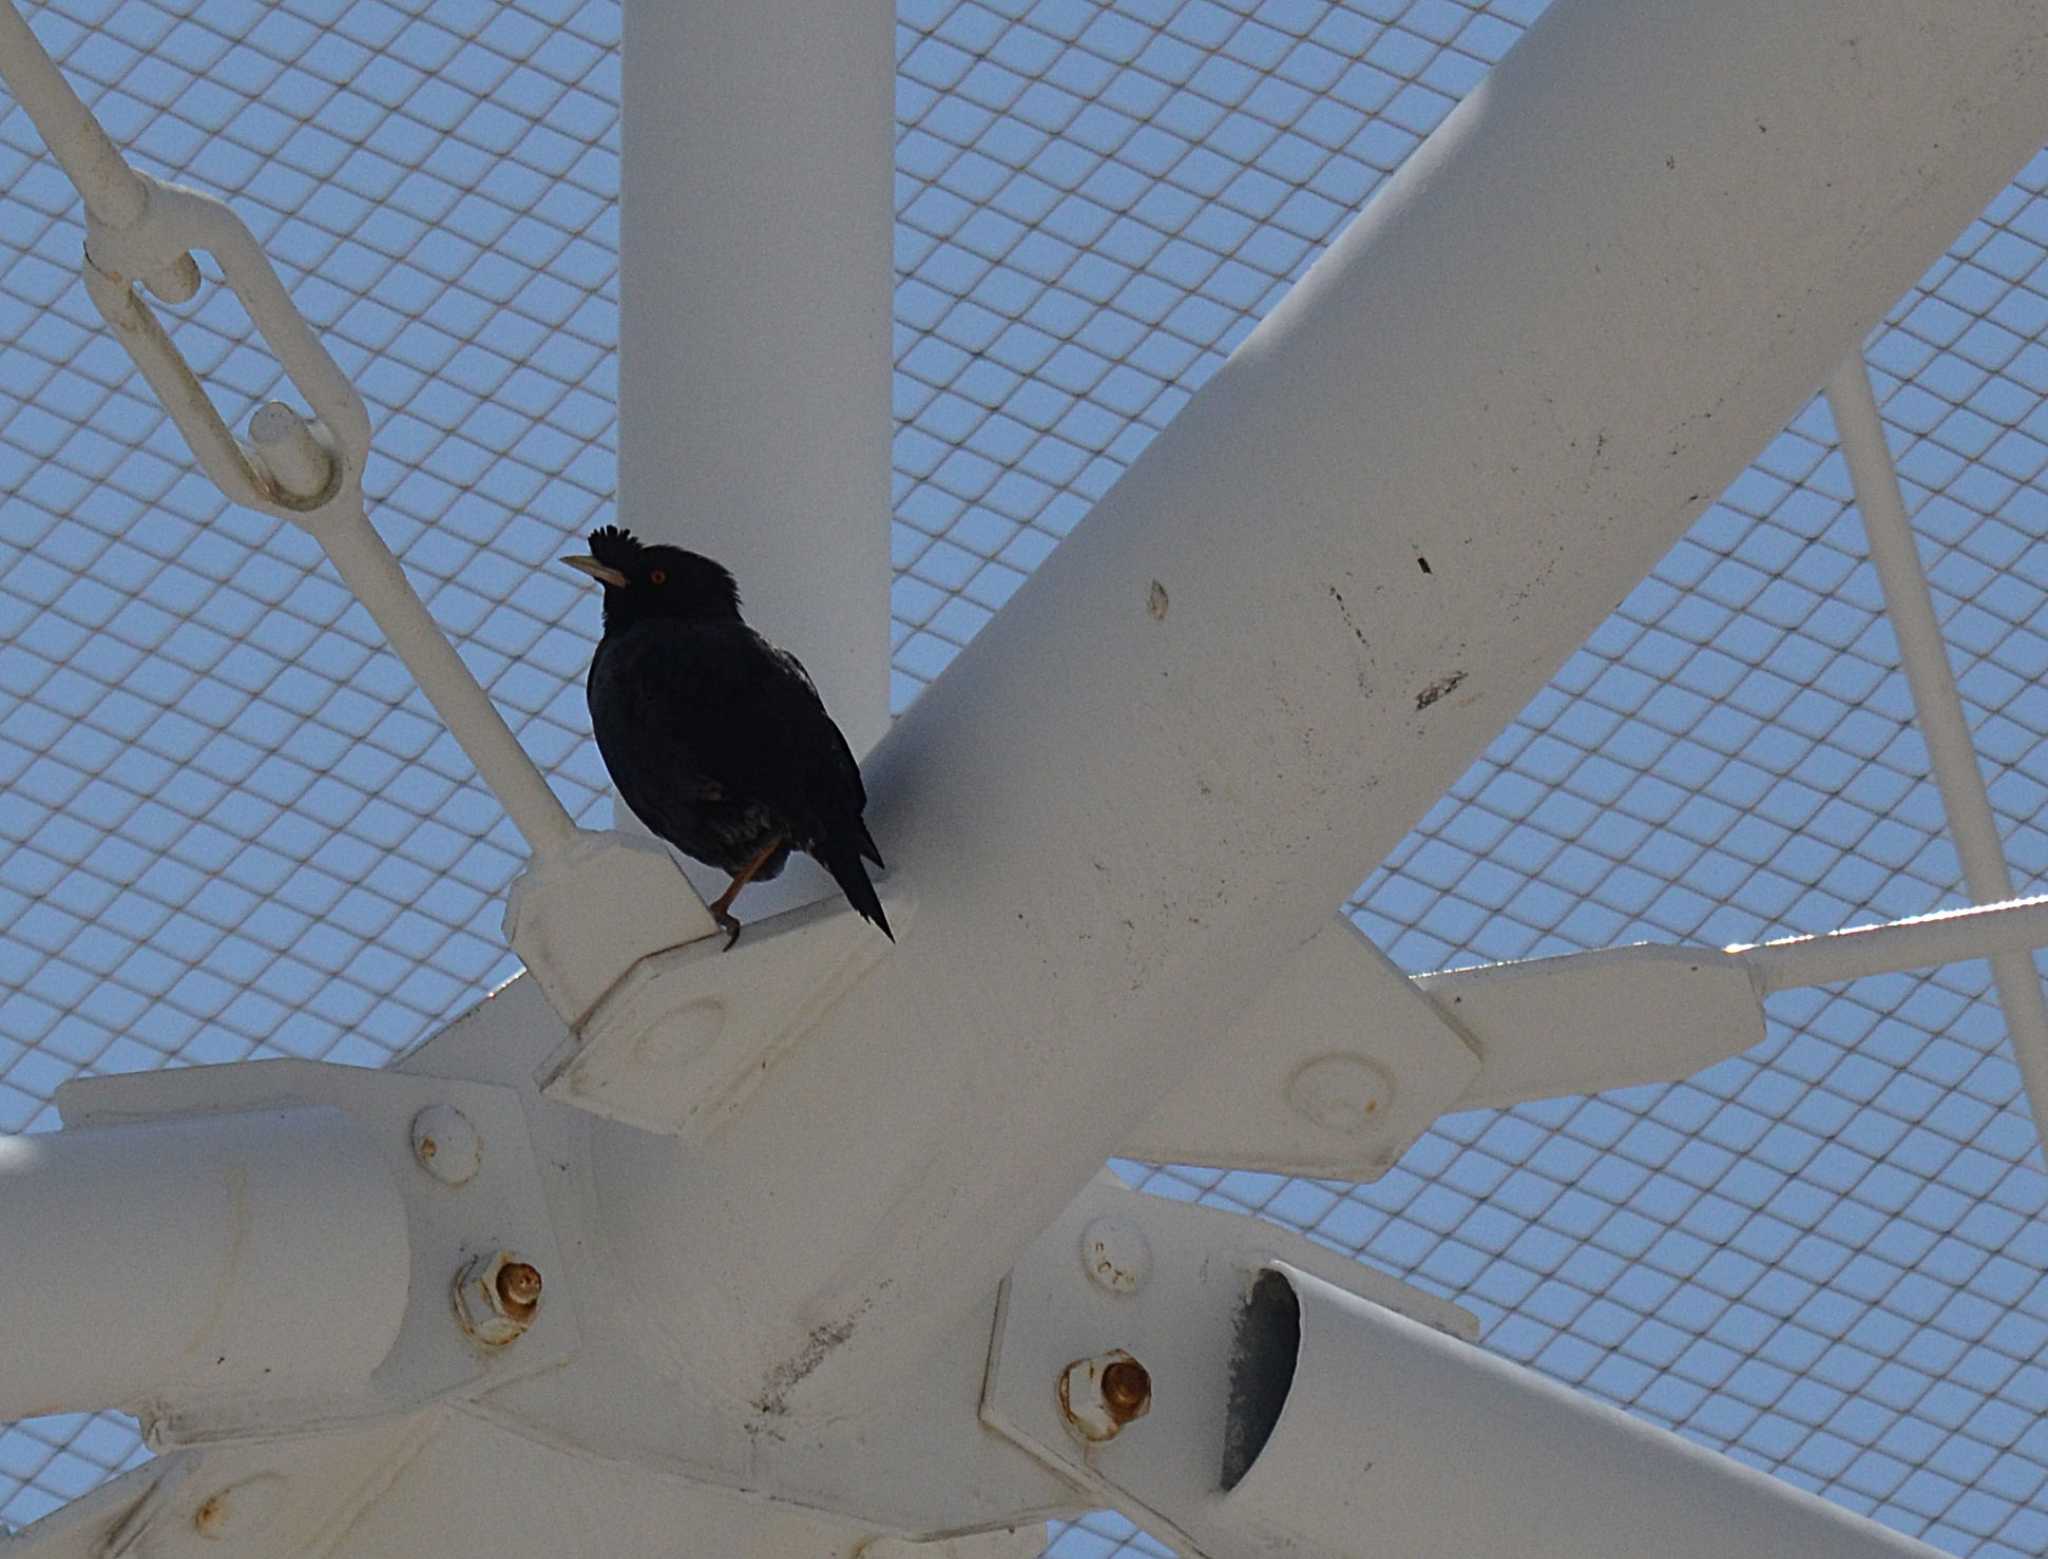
[[1343, 1060], [1166, 1298], [681, 1042], [500, 1206]]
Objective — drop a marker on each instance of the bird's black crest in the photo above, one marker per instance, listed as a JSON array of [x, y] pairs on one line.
[[615, 547], [666, 581]]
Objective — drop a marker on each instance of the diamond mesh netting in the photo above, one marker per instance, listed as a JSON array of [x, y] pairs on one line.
[[230, 827]]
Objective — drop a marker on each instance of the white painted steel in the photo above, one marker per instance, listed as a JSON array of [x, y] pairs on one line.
[[112, 191], [1950, 747], [754, 292], [1162, 1470], [1395, 1439], [1122, 813], [367, 566], [1947, 936], [260, 1251]]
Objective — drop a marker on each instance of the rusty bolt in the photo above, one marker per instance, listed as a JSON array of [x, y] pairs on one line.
[[1099, 1396], [519, 1286], [1126, 1390], [497, 1297]]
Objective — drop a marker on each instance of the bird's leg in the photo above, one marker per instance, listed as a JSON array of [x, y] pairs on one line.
[[721, 910]]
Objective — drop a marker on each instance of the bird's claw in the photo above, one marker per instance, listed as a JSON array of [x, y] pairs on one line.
[[730, 925]]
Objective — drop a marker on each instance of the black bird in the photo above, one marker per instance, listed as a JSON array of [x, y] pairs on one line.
[[718, 740]]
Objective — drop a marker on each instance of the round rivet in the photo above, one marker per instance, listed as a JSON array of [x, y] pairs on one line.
[[1341, 1093], [1115, 1253], [446, 1145]]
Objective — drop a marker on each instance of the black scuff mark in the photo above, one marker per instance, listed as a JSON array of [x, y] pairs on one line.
[[1345, 612], [1438, 689], [1423, 564], [773, 1402]]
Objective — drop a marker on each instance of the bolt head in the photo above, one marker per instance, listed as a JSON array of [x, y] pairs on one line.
[[1342, 1093], [497, 1297], [1099, 1396], [446, 1145], [1116, 1254], [519, 1286]]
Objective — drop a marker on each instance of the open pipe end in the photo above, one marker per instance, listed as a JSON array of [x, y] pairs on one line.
[[1262, 1361]]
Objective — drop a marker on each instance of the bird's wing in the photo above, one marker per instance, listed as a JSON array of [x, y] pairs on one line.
[[693, 713], [833, 754]]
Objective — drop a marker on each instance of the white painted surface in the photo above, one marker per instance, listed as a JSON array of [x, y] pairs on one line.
[[1396, 1439], [263, 1252], [1119, 823], [754, 353]]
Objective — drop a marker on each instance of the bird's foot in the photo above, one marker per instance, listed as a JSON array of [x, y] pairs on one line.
[[730, 925]]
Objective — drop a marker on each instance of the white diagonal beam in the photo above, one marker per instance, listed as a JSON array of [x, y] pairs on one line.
[[1610, 276], [1939, 706]]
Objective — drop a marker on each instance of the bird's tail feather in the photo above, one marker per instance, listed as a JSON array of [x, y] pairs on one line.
[[841, 857], [868, 848]]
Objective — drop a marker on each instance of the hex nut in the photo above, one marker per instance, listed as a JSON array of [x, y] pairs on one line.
[[1099, 1396], [497, 1297]]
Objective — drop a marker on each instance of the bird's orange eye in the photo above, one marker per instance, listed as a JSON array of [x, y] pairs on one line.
[[658, 577]]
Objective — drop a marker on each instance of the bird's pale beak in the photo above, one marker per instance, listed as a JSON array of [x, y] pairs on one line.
[[597, 571]]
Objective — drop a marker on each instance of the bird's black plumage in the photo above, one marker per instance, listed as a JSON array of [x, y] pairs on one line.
[[718, 740]]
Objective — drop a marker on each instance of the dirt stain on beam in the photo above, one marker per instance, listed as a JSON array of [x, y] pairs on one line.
[[1438, 689]]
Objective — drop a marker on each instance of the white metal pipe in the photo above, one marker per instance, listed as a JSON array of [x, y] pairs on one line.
[[110, 188], [1939, 705], [367, 566], [1945, 937], [755, 279], [1395, 1439], [1475, 425], [262, 1250]]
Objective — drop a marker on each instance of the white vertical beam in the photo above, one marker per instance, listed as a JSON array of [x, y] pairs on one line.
[[1939, 706], [1609, 277], [755, 286]]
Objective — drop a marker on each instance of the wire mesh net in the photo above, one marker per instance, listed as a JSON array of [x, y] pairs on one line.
[[232, 829]]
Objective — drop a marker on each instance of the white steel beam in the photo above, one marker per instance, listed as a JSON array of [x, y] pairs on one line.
[[257, 1252], [754, 279], [1609, 277], [1380, 1425], [1939, 705]]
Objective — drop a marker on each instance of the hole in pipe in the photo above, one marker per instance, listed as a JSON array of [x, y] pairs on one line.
[[1262, 1359]]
